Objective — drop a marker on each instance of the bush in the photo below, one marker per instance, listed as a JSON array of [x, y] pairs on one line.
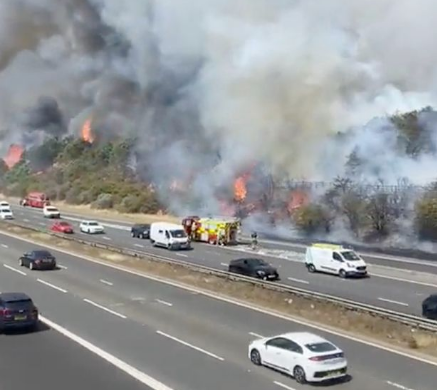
[[353, 207], [380, 214], [312, 219], [426, 218], [85, 197], [73, 195], [103, 201], [145, 203]]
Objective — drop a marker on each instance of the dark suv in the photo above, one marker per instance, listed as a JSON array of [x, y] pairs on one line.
[[256, 268], [429, 307], [17, 310], [140, 231]]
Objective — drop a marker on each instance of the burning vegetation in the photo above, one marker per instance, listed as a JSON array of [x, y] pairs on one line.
[[87, 131], [13, 156]]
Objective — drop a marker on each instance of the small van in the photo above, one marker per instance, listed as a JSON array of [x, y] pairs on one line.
[[334, 259], [169, 235]]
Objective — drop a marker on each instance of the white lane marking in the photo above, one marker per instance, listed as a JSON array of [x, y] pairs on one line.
[[298, 280], [62, 266], [104, 308], [106, 282], [52, 285], [190, 345], [106, 238], [139, 245], [224, 264], [164, 302], [120, 364], [282, 385], [397, 385], [26, 220], [404, 280], [181, 255], [394, 302], [256, 335], [14, 269], [4, 246], [196, 291]]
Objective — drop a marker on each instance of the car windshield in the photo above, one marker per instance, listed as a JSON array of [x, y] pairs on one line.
[[320, 347], [142, 226], [350, 256], [257, 262], [42, 254], [178, 233], [64, 224], [18, 303], [93, 224], [51, 209]]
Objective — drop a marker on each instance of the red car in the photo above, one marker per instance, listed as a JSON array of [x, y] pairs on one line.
[[62, 227]]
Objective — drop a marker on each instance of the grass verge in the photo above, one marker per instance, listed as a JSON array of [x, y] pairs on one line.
[[328, 315]]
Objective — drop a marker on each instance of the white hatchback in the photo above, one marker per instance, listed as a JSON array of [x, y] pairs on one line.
[[91, 227], [305, 356]]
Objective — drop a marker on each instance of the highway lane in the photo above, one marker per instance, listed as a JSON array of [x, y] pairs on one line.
[[220, 331], [274, 245], [401, 295], [47, 360]]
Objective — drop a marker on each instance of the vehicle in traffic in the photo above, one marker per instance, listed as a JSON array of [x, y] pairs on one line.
[[35, 199], [334, 259], [91, 227], [429, 307], [6, 213], [219, 230], [5, 205], [62, 227], [169, 235], [38, 260], [17, 310], [140, 230], [302, 355], [51, 212], [253, 267]]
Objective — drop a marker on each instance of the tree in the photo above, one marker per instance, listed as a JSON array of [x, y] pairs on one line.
[[353, 206], [426, 216], [379, 213], [312, 219]]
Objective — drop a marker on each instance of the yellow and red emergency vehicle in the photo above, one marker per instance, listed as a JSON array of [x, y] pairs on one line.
[[212, 230]]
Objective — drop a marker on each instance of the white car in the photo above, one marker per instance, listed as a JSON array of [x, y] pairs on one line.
[[305, 356], [5, 205], [6, 213], [51, 212], [91, 227]]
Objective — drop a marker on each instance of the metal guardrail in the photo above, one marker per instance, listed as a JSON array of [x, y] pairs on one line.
[[406, 319]]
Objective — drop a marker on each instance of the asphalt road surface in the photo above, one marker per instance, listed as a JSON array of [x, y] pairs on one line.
[[184, 339], [47, 360], [391, 288]]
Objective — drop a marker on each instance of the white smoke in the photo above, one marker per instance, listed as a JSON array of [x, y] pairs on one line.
[[245, 80]]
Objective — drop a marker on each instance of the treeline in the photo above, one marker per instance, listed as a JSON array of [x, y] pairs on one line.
[[77, 172]]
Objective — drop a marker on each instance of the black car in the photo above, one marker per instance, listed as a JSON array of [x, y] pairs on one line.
[[256, 268], [17, 310], [140, 231], [38, 259], [429, 307]]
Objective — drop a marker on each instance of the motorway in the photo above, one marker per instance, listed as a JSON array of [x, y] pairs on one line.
[[390, 288], [47, 360], [182, 338]]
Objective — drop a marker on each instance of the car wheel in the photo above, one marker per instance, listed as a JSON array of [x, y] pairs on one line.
[[142, 236], [20, 262], [342, 274], [31, 266], [255, 357], [299, 375], [311, 268], [132, 235]]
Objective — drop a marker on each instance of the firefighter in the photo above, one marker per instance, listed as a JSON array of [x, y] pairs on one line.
[[254, 239], [221, 238]]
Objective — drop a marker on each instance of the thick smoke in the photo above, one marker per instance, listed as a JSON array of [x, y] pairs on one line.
[[209, 87]]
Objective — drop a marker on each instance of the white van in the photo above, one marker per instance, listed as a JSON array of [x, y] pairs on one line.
[[169, 235], [334, 259]]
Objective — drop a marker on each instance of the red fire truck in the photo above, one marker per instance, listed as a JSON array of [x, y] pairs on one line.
[[36, 199]]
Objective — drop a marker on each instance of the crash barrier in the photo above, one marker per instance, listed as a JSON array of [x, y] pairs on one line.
[[406, 319]]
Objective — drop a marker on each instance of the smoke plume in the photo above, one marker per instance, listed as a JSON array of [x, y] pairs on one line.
[[209, 87]]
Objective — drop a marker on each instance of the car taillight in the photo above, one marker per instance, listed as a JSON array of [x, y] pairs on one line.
[[4, 312], [327, 357]]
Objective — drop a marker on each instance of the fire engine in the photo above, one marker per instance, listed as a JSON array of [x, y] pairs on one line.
[[212, 230], [36, 199]]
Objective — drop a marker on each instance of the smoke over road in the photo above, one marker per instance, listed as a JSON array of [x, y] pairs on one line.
[[209, 87]]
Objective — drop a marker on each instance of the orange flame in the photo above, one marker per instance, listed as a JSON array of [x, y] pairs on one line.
[[86, 132], [13, 157], [297, 200], [240, 190]]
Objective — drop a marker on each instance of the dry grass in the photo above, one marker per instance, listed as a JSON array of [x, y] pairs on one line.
[[329, 315], [88, 212]]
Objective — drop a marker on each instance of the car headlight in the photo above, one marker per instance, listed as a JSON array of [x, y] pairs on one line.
[[350, 265], [261, 273]]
